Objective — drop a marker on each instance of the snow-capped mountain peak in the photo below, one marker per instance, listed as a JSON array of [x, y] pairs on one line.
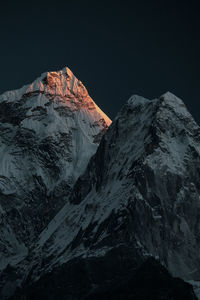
[[49, 129], [61, 86], [167, 98]]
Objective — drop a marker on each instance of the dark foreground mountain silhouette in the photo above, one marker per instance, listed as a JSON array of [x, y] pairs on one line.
[[108, 277], [132, 214]]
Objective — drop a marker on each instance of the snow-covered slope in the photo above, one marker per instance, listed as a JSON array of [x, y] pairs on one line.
[[48, 132], [141, 190]]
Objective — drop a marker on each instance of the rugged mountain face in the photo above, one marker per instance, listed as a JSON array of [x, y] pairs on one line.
[[48, 132], [139, 197], [144, 182]]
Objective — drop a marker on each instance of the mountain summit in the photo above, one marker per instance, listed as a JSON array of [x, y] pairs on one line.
[[61, 86]]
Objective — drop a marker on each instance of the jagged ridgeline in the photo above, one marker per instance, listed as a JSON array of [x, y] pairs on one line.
[[129, 221]]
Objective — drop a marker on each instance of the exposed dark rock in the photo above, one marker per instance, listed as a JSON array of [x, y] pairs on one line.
[[115, 276]]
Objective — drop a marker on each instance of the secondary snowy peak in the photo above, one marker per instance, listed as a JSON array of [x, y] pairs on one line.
[[148, 184], [167, 110], [167, 100]]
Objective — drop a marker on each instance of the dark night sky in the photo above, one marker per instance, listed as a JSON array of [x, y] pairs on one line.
[[116, 48]]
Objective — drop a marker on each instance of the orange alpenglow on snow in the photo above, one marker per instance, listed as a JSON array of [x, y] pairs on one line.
[[63, 87]]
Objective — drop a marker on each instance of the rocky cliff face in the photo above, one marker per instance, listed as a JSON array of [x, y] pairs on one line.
[[48, 132], [138, 198]]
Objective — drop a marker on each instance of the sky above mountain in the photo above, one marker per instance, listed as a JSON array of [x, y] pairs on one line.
[[116, 48]]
